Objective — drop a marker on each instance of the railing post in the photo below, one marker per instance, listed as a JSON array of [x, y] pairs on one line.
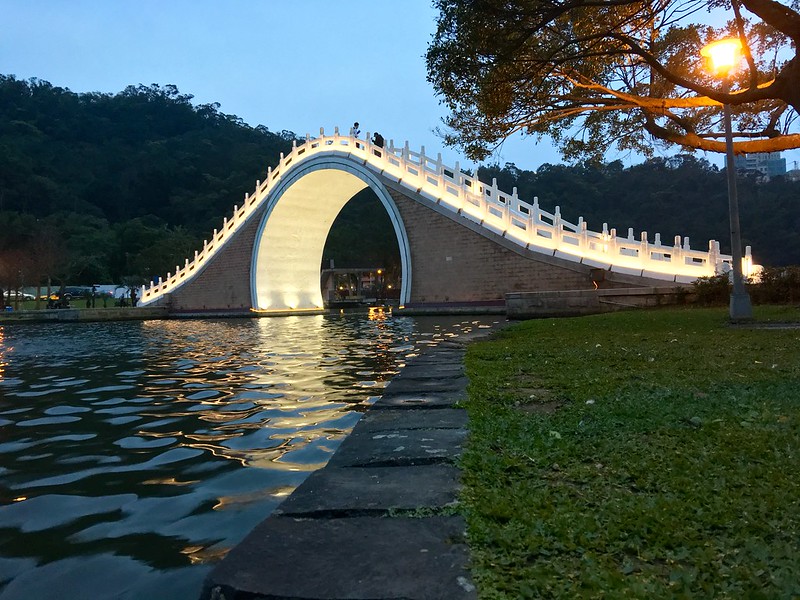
[[513, 201], [583, 239], [504, 208], [557, 227], [644, 250], [747, 267], [533, 220], [713, 256]]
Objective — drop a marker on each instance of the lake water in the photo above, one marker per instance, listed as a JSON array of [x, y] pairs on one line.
[[133, 456]]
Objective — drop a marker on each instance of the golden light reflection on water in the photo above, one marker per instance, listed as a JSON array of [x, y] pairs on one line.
[[289, 384], [4, 349], [378, 313], [204, 554], [239, 500], [170, 481]]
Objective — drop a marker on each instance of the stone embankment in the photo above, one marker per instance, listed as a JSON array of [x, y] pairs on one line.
[[84, 314], [379, 521]]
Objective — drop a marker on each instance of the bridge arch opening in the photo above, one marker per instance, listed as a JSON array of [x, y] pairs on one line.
[[287, 254]]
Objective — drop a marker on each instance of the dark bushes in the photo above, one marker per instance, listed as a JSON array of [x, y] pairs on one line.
[[778, 285]]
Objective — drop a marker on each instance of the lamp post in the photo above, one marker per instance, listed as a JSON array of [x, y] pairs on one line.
[[724, 56]]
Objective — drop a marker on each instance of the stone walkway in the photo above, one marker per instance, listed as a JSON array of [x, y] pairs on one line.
[[377, 522]]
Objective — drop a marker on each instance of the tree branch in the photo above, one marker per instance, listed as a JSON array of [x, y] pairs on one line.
[[781, 17]]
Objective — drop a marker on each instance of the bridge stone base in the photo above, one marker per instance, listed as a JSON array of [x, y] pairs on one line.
[[573, 303], [454, 263], [224, 285]]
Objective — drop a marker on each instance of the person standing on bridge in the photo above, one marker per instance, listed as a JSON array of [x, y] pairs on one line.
[[377, 139], [354, 130]]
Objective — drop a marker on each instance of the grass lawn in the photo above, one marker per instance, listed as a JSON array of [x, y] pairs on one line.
[[649, 454]]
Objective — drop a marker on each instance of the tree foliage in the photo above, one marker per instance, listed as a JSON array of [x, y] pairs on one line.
[[97, 187], [591, 73]]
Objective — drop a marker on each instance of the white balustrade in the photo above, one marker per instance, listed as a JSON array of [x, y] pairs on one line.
[[506, 214]]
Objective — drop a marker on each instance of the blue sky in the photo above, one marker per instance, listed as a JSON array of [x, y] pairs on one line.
[[297, 65]]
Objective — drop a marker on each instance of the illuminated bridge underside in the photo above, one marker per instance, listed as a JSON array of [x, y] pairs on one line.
[[288, 255], [460, 239], [288, 251]]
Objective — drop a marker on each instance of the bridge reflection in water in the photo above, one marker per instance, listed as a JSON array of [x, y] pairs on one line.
[[134, 455]]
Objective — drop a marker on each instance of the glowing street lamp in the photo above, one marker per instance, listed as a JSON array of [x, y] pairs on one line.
[[723, 57]]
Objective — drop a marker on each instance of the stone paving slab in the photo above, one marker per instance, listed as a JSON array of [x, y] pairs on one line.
[[401, 447], [442, 399], [431, 371], [440, 357], [411, 418], [400, 385], [357, 491], [362, 558]]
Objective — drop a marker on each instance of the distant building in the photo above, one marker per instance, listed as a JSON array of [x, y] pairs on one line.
[[769, 164]]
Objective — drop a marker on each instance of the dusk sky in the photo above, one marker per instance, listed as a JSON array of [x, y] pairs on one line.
[[297, 65]]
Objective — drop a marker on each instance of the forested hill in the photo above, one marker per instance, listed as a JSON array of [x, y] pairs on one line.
[[108, 186], [98, 187], [681, 195], [143, 151]]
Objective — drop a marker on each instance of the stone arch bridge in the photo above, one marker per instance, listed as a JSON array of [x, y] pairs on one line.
[[461, 241]]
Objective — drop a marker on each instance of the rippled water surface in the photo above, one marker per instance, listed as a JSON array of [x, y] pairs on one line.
[[134, 455]]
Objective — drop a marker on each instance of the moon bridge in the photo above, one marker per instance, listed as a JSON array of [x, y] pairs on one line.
[[461, 240]]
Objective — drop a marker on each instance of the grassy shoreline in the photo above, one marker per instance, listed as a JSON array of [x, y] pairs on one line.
[[649, 454]]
